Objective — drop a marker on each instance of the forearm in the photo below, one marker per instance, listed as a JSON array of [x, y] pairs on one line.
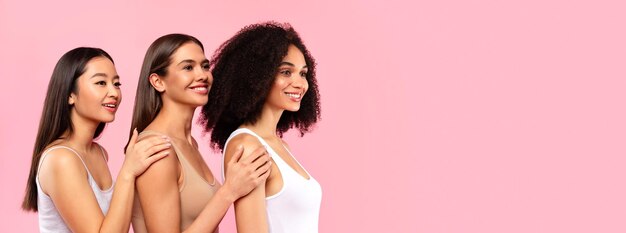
[[118, 217], [214, 211]]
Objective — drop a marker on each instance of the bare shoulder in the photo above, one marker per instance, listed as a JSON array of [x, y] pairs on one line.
[[61, 164], [247, 141], [167, 166], [62, 158]]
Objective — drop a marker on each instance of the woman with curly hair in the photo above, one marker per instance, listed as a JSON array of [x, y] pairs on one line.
[[265, 85], [180, 193]]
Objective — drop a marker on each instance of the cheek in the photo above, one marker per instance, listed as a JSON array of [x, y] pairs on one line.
[[305, 86]]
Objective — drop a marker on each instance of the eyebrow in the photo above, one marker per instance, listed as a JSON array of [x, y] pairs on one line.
[[290, 64], [104, 75], [192, 61]]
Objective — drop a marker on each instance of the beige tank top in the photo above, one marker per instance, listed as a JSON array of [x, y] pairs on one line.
[[195, 193]]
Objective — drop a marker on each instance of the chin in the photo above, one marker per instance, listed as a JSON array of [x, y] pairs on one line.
[[293, 109], [108, 120]]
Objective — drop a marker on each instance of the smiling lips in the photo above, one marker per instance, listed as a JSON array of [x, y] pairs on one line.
[[201, 89], [295, 96], [111, 107]]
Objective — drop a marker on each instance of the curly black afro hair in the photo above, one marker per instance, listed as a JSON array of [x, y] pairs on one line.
[[244, 70]]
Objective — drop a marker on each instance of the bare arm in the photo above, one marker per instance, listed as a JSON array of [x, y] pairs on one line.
[[250, 209], [243, 175], [158, 190], [65, 180]]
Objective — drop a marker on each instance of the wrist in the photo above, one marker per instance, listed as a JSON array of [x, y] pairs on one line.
[[126, 175], [227, 193]]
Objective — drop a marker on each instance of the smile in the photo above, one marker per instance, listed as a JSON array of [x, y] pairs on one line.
[[295, 96], [110, 107], [200, 89]]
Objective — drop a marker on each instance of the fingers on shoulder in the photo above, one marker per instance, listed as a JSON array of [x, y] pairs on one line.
[[164, 168], [247, 141]]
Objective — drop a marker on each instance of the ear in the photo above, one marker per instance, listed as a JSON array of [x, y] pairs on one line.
[[71, 99], [157, 82]]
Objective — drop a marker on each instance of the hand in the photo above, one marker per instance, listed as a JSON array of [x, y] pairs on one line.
[[141, 154], [245, 174]]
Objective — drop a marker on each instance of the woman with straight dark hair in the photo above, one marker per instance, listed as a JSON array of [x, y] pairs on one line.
[[70, 184], [265, 85], [180, 193]]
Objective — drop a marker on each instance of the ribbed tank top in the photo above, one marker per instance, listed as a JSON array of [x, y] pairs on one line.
[[49, 218], [296, 207], [195, 193]]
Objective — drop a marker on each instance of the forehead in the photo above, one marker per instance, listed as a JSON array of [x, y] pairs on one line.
[[100, 65], [295, 56], [188, 51]]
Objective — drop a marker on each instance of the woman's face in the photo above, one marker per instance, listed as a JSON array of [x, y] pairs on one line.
[[290, 83], [98, 92], [188, 79]]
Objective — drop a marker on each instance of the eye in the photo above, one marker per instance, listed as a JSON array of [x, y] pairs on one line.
[[206, 66], [188, 68], [101, 83], [117, 84], [303, 74], [286, 72]]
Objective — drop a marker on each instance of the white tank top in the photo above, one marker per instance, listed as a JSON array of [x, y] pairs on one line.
[[296, 207], [49, 218]]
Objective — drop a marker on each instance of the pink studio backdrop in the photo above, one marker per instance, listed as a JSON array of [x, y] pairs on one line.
[[438, 116]]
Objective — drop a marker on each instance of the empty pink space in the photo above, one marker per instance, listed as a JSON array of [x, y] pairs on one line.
[[437, 116]]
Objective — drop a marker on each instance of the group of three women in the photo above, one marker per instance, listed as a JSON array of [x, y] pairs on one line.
[[258, 84]]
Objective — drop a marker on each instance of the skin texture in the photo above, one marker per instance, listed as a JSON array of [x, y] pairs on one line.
[[62, 174], [183, 89], [290, 79]]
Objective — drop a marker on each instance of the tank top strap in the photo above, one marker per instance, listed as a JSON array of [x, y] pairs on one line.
[[45, 153], [145, 133], [248, 131], [102, 151], [187, 170], [277, 159], [180, 156]]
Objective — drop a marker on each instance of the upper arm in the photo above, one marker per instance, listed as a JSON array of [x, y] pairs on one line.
[[250, 209], [66, 182], [159, 195]]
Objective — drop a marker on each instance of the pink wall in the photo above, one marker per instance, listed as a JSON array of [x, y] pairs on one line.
[[438, 116]]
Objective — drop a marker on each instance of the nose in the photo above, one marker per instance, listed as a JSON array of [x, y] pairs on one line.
[[203, 75], [300, 82], [114, 91]]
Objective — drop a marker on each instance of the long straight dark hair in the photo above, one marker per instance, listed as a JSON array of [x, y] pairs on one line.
[[55, 117], [148, 101]]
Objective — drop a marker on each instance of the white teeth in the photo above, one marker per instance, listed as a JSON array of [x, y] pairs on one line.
[[200, 88], [109, 105], [297, 96]]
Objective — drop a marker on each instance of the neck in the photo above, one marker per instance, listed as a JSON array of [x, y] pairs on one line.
[[265, 126], [176, 119], [81, 138]]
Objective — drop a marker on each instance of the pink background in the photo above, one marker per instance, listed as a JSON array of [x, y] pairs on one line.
[[438, 116]]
